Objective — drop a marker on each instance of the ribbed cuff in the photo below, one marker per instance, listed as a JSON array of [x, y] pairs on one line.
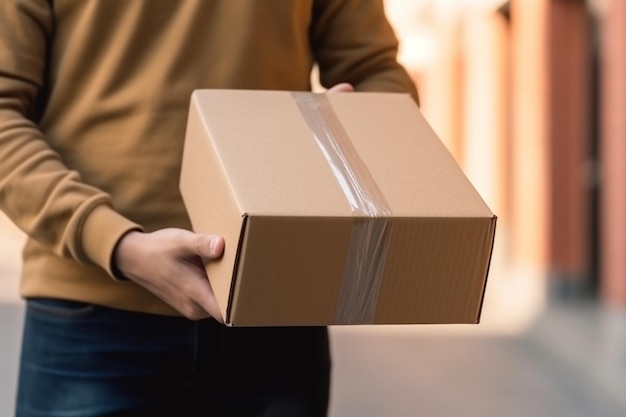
[[101, 232]]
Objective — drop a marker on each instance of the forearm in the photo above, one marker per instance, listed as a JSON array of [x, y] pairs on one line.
[[48, 201], [37, 191]]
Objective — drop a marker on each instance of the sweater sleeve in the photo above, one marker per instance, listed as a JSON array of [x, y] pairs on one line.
[[38, 192], [353, 42]]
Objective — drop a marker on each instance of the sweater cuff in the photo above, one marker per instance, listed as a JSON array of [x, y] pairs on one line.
[[102, 230]]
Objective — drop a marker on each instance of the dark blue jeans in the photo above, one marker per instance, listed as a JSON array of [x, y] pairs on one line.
[[86, 360]]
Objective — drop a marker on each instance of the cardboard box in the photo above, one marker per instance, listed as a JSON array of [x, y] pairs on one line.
[[340, 208]]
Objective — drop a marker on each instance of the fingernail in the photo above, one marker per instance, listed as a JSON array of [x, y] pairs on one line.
[[213, 245]]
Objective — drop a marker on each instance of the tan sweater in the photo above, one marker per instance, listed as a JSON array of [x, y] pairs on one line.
[[94, 97]]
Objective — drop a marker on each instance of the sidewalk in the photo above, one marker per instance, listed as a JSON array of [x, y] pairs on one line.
[[564, 365]]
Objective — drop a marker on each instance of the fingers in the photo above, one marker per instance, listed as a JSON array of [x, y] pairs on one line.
[[341, 88], [205, 303], [206, 246], [199, 301]]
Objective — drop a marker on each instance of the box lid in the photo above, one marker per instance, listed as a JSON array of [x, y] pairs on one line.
[[275, 166]]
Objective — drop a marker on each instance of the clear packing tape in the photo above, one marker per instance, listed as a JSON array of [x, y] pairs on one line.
[[371, 231]]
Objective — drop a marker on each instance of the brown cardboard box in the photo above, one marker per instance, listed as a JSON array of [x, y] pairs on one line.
[[339, 208]]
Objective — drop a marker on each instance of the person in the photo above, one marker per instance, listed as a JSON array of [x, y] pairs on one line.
[[120, 317]]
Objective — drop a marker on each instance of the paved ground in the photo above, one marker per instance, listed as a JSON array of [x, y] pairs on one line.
[[529, 357], [10, 330], [417, 373]]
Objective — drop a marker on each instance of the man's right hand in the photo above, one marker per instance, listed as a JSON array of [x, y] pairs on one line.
[[169, 263]]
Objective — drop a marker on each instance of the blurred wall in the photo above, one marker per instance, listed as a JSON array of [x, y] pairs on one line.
[[513, 90], [612, 72]]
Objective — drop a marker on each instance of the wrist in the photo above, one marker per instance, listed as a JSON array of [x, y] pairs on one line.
[[119, 267], [101, 231]]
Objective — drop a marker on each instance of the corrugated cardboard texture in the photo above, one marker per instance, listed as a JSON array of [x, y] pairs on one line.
[[253, 172]]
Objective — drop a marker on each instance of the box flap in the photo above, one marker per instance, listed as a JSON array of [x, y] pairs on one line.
[[417, 173], [274, 165]]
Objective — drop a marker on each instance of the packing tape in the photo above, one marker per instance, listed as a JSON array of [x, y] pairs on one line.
[[371, 232]]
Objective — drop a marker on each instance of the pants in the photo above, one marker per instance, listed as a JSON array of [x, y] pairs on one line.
[[85, 360]]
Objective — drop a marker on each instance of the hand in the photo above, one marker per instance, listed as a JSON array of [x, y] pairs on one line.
[[341, 88], [169, 263]]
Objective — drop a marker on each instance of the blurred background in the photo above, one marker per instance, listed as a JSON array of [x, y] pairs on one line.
[[529, 96]]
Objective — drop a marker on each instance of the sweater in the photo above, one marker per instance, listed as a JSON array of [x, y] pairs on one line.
[[94, 96]]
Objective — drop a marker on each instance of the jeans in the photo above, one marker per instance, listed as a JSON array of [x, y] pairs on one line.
[[86, 360]]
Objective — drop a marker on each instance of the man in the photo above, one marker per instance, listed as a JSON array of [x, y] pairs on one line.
[[121, 319]]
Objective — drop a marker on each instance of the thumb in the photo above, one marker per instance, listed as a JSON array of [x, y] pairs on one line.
[[207, 245]]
